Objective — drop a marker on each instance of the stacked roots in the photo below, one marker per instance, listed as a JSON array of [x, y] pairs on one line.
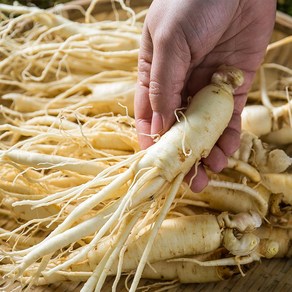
[[79, 201]]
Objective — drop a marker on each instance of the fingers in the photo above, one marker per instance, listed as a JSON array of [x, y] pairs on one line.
[[162, 70], [143, 111], [217, 160], [167, 78], [197, 178], [230, 139]]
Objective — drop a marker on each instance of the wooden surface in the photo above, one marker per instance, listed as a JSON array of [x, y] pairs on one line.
[[268, 276]]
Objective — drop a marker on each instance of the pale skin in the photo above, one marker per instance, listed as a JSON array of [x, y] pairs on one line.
[[183, 42]]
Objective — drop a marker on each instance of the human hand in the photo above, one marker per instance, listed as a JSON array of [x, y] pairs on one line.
[[183, 42]]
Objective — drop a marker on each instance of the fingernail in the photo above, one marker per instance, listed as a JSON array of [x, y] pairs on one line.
[[156, 123]]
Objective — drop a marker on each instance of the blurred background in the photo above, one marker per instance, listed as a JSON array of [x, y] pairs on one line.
[[282, 5]]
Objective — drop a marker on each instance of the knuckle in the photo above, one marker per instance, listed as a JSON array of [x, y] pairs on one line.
[[160, 93], [154, 87], [143, 65], [144, 68], [155, 90]]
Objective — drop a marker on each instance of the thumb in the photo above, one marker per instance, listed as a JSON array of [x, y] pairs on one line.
[[168, 72]]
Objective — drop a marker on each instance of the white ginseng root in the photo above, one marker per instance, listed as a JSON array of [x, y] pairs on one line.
[[189, 236], [182, 236], [271, 120], [260, 156], [268, 124], [152, 175]]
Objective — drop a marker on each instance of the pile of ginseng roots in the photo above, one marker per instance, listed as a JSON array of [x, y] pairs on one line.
[[67, 132]]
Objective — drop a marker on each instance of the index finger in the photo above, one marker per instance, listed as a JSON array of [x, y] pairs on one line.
[[143, 111]]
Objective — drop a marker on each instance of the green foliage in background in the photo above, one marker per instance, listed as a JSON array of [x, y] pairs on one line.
[[285, 6]]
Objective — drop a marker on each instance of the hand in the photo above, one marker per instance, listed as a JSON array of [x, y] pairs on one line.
[[183, 42]]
